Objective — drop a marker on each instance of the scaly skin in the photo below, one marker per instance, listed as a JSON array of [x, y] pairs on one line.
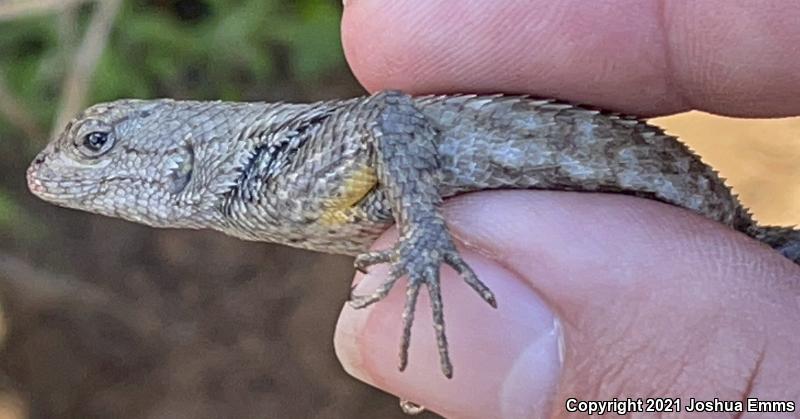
[[331, 176]]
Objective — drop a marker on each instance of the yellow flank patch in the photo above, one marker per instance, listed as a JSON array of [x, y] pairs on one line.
[[340, 209]]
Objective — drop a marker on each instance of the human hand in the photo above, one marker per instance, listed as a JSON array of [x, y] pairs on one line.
[[600, 296]]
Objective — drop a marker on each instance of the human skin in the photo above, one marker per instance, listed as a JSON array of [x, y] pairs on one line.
[[600, 296]]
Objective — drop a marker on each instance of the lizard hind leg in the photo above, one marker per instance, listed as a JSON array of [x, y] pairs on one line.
[[407, 167]]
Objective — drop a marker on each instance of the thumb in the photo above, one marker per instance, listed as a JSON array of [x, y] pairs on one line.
[[600, 297]]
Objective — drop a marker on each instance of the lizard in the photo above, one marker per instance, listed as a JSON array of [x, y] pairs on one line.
[[332, 175]]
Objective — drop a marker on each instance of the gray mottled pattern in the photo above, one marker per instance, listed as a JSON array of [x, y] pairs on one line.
[[331, 176]]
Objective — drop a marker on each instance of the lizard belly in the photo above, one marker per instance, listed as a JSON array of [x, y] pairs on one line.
[[344, 221], [343, 208]]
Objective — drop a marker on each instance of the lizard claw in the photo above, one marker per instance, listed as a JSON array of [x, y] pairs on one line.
[[361, 301], [365, 260], [361, 263]]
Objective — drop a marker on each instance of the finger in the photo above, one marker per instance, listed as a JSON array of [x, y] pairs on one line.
[[645, 57], [642, 298]]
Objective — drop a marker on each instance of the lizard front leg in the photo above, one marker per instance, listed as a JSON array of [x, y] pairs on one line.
[[408, 170]]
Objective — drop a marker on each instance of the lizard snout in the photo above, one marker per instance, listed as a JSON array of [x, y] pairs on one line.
[[32, 174]]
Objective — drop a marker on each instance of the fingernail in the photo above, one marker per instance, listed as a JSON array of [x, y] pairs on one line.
[[531, 383], [509, 357]]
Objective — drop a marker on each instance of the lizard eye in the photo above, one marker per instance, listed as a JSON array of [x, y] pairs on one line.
[[96, 143]]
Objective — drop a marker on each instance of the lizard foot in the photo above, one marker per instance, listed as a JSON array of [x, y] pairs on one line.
[[419, 256]]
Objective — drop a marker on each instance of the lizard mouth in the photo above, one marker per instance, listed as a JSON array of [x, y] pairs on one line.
[[181, 170]]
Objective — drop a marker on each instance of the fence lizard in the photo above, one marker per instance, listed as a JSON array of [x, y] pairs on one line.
[[331, 176]]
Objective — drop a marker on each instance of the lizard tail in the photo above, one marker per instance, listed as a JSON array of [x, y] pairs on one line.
[[785, 240]]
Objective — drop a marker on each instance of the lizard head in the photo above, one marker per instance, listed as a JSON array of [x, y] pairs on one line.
[[138, 160]]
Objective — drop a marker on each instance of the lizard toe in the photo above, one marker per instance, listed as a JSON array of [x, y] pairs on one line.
[[455, 260], [365, 260], [358, 301]]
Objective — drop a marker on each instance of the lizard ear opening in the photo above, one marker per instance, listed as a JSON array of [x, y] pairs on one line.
[[183, 167]]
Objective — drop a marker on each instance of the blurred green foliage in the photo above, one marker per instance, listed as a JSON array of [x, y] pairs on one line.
[[205, 49], [16, 222]]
